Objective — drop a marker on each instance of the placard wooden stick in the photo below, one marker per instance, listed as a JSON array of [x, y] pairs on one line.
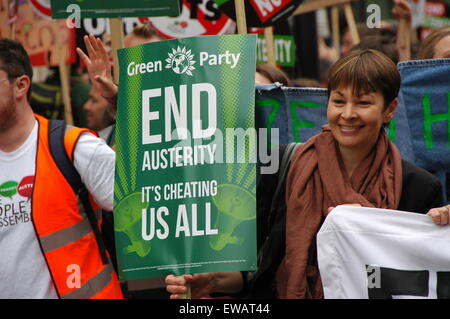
[[317, 4], [268, 35], [64, 75], [240, 16], [351, 23], [116, 43]]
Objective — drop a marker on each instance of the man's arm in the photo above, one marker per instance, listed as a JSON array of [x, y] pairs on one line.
[[95, 162]]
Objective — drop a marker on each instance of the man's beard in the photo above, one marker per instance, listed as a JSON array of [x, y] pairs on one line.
[[8, 114]]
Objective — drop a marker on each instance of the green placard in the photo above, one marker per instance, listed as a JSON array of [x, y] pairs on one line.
[[62, 9], [436, 22], [185, 179], [284, 50]]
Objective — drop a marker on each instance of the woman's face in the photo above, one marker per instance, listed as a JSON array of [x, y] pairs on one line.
[[356, 120], [442, 48]]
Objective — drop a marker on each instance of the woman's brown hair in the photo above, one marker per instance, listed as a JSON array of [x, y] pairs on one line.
[[426, 50], [365, 71], [273, 74]]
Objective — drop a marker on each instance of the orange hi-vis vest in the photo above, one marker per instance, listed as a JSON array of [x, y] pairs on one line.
[[65, 235]]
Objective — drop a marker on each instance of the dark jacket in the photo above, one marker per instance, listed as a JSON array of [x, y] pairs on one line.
[[421, 191]]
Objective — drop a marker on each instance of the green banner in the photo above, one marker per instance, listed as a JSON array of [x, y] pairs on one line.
[[436, 22], [284, 50], [185, 179], [62, 9]]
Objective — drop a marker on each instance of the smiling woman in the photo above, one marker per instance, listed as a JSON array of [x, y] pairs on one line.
[[351, 162], [362, 97]]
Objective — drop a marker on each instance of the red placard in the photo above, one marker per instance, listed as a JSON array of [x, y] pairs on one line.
[[266, 9]]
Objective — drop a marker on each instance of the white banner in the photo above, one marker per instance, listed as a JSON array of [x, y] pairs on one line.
[[377, 253]]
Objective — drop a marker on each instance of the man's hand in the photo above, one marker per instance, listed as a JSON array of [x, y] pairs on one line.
[[98, 66]]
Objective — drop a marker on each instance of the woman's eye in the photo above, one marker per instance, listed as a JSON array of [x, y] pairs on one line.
[[338, 101], [364, 102]]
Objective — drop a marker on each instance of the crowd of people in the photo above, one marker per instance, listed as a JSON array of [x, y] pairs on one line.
[[351, 162]]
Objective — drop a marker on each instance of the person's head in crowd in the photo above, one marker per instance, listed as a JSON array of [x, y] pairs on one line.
[[15, 82], [144, 33], [267, 74], [14, 62], [307, 83], [347, 41], [369, 82], [385, 44], [436, 45], [97, 115]]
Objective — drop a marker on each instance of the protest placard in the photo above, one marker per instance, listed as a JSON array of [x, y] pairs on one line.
[[261, 13], [425, 94], [115, 8], [184, 188], [39, 36], [196, 18]]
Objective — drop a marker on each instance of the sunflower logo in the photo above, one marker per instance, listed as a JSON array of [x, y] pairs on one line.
[[181, 61]]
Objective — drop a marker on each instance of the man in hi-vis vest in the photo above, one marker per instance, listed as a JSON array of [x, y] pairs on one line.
[[47, 246]]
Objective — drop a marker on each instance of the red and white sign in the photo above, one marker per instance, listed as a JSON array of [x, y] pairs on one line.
[[42, 8], [196, 19], [436, 9], [266, 9]]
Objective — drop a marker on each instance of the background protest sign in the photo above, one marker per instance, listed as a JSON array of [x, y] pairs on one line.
[[261, 13], [425, 93], [300, 113], [185, 192], [115, 8], [38, 35], [196, 18], [284, 47], [369, 253]]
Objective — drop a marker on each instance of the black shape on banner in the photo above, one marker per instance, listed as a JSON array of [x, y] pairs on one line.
[[384, 283], [261, 13]]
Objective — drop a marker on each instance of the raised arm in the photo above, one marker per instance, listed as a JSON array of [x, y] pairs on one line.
[[402, 11], [98, 66]]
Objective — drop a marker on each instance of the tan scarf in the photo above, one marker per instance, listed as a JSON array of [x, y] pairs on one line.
[[317, 180]]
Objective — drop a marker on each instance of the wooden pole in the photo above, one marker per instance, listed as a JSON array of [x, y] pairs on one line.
[[188, 294], [351, 23], [268, 35], [12, 32], [404, 40], [64, 75], [116, 43], [335, 28], [240, 16], [316, 5]]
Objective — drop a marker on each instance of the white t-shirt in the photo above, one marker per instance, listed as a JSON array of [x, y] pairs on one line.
[[378, 253], [23, 271]]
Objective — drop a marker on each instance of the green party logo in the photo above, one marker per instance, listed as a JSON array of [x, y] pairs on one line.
[[181, 61], [127, 219], [8, 189]]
